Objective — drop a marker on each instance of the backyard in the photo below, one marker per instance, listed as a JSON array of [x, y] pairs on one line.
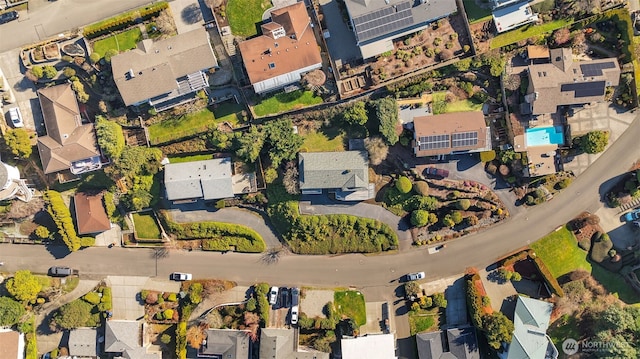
[[243, 15], [324, 140], [146, 225], [424, 320], [229, 112], [283, 101], [350, 304], [476, 13], [121, 42], [180, 159], [182, 126], [526, 32]]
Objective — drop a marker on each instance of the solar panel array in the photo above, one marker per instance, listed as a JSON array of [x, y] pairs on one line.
[[383, 21], [585, 89], [433, 142], [596, 69], [464, 139]]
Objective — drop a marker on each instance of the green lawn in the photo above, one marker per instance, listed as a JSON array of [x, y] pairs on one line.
[[245, 14], [146, 225], [282, 101], [350, 303], [179, 159], [123, 41], [463, 106], [230, 112], [476, 13], [560, 253], [324, 140], [527, 31], [423, 320], [183, 126]]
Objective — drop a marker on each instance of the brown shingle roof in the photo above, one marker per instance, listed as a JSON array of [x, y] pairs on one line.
[[450, 123], [283, 54], [90, 213], [67, 139], [9, 345]]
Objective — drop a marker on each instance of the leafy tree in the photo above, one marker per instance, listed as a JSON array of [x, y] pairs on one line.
[[463, 65], [403, 184], [386, 112], [49, 72], [496, 62], [250, 144], [447, 221], [456, 216], [68, 72], [110, 137], [62, 217], [10, 311], [42, 232], [220, 140], [95, 57], [136, 161], [439, 300], [421, 188], [463, 204], [73, 315], [498, 328], [594, 141], [419, 218], [18, 142], [356, 114], [377, 148], [37, 71], [283, 143], [24, 286], [487, 156], [412, 288], [109, 54], [252, 304]]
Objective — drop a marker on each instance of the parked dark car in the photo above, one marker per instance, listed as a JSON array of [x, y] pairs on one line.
[[436, 172], [295, 296], [9, 16], [60, 271], [284, 300]]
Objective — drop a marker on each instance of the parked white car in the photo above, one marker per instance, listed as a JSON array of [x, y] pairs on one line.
[[180, 277], [294, 315], [273, 295], [415, 276], [16, 117]]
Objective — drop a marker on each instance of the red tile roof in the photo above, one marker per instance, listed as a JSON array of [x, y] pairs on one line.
[[90, 213]]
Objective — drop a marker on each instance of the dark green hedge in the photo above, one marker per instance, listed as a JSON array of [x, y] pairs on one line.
[[62, 217], [474, 301], [548, 277], [122, 21]]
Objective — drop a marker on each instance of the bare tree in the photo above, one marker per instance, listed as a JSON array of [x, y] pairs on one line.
[[562, 36], [377, 148], [165, 24], [272, 255], [290, 179]]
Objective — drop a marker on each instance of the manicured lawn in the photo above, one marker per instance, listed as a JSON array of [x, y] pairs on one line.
[[244, 14], [423, 320], [179, 159], [324, 140], [474, 12], [282, 101], [526, 32], [560, 253], [463, 106], [350, 303], [146, 225], [180, 127], [124, 41], [230, 112]]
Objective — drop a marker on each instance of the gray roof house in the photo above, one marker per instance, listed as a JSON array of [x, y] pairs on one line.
[[346, 173], [530, 339], [280, 344], [563, 81], [455, 343], [124, 337], [165, 73], [376, 23], [208, 179], [510, 14], [82, 343], [226, 344]]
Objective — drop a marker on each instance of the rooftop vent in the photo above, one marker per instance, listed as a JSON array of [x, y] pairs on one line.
[[129, 75]]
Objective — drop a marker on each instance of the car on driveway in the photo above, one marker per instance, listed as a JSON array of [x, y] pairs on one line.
[[415, 276], [180, 277], [9, 16], [294, 315], [283, 300], [295, 296], [632, 216], [436, 172], [273, 295], [16, 117]]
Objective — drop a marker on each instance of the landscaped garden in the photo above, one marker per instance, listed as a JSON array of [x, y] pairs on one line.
[[88, 311], [244, 15], [160, 307], [283, 101], [146, 226], [120, 42], [527, 31], [427, 313]]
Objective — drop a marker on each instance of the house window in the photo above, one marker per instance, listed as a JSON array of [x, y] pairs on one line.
[[272, 65]]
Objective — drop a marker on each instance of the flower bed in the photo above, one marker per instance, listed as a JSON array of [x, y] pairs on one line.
[[160, 307]]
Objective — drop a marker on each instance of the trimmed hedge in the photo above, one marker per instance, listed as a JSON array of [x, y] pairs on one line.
[[474, 301], [181, 340], [218, 236], [548, 277], [62, 218], [122, 21]]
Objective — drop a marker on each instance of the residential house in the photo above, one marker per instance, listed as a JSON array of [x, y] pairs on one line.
[[377, 23], [11, 186], [208, 179], [457, 132], [281, 344], [375, 346], [285, 51], [69, 144], [12, 344], [226, 344], [530, 339], [454, 343], [344, 173], [124, 338], [562, 81], [510, 14], [537, 54], [91, 215], [82, 343], [165, 73]]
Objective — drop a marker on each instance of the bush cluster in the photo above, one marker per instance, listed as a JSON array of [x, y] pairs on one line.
[[118, 22], [181, 340], [475, 301], [262, 290], [62, 217]]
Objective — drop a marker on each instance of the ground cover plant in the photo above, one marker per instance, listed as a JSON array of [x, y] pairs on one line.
[[229, 112], [282, 102], [120, 42], [476, 13], [243, 15]]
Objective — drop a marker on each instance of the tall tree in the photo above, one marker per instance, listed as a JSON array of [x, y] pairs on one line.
[[18, 142], [10, 311], [73, 315], [386, 112], [283, 143], [356, 114], [250, 144], [498, 328], [110, 137], [594, 141], [24, 286]]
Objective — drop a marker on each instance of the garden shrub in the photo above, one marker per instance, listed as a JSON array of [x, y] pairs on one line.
[[439, 300], [87, 241], [151, 298], [181, 340], [403, 184], [474, 301], [121, 22], [463, 204], [421, 188], [419, 218], [564, 183], [143, 294], [62, 217], [600, 250], [168, 314], [487, 156], [92, 297], [252, 304], [172, 297]]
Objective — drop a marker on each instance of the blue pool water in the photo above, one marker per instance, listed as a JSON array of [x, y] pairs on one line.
[[542, 136]]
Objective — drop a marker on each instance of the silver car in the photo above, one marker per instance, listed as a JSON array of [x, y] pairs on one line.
[[16, 117], [415, 276]]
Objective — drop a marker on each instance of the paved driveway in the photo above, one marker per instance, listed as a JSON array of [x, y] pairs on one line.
[[187, 15], [342, 43], [23, 90]]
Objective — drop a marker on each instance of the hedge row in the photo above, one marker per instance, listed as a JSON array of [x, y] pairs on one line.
[[515, 258], [123, 20], [181, 340], [548, 277], [218, 236], [262, 291], [474, 301], [62, 218]]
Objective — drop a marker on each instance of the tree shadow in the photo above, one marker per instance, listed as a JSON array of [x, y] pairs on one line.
[[608, 185], [57, 250], [191, 14]]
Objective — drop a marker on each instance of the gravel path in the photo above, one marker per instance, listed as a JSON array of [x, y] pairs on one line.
[[314, 301]]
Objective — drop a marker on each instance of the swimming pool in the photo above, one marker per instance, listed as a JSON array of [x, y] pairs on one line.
[[543, 136]]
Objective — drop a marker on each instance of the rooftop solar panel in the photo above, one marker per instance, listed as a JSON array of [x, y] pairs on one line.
[[596, 69], [383, 21], [464, 139], [585, 89], [433, 142]]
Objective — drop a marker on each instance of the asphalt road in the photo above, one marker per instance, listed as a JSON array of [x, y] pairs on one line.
[[49, 18]]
